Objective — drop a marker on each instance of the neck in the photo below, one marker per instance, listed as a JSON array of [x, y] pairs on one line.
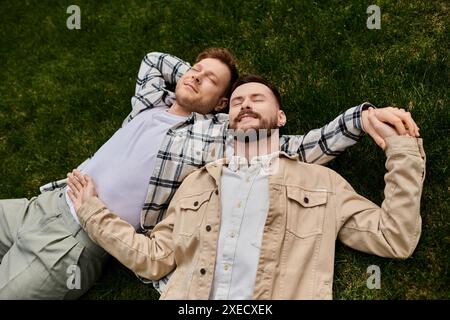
[[257, 147], [179, 110]]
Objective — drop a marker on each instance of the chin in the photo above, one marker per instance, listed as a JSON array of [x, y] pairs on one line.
[[185, 99], [184, 94]]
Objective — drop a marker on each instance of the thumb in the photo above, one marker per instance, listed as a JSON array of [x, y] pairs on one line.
[[375, 126], [89, 180], [91, 186]]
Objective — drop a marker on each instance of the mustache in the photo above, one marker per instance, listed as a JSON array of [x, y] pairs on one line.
[[247, 112], [192, 85]]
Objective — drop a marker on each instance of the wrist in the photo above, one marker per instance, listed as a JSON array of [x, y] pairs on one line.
[[364, 119]]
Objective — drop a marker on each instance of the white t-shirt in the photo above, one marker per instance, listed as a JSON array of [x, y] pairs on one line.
[[122, 167]]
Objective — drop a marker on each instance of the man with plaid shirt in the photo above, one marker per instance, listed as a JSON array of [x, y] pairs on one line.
[[46, 254]]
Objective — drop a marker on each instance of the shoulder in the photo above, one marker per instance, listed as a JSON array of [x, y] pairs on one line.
[[198, 181], [307, 174]]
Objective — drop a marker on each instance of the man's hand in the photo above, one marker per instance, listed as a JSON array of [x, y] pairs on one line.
[[381, 129], [81, 188], [394, 117]]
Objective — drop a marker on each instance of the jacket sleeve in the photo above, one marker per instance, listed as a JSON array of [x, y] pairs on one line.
[[392, 230], [150, 256], [157, 69], [322, 145]]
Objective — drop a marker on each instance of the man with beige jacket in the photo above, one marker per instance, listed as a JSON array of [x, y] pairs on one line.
[[261, 224]]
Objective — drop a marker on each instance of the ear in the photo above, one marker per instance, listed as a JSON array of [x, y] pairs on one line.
[[221, 105], [281, 118]]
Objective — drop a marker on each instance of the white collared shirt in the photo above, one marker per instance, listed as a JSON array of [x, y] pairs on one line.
[[245, 203]]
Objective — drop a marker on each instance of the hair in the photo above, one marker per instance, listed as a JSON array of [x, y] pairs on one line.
[[248, 78], [227, 58]]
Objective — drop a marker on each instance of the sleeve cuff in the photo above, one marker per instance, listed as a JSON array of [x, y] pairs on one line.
[[359, 109], [404, 144], [89, 208]]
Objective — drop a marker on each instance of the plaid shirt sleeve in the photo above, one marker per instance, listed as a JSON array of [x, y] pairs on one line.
[[157, 69], [324, 144], [60, 183]]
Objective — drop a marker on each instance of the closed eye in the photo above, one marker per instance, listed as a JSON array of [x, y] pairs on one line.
[[212, 80]]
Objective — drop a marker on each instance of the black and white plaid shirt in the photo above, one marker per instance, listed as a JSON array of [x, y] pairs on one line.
[[203, 138]]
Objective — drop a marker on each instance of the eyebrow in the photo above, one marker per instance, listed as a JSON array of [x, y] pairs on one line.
[[252, 96]]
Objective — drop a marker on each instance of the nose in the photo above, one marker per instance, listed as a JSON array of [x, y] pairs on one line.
[[245, 104], [196, 78]]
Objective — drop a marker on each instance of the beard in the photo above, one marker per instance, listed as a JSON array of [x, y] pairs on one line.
[[192, 102]]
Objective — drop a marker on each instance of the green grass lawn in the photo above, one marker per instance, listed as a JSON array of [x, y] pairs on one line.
[[63, 93]]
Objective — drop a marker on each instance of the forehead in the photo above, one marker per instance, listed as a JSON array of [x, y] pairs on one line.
[[252, 88], [215, 66]]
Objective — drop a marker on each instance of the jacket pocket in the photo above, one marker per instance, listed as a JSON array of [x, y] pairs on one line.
[[192, 211], [306, 211]]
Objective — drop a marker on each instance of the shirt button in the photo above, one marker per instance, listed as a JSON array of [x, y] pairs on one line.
[[226, 266], [195, 203], [202, 271], [239, 204], [232, 234], [306, 200], [208, 228], [248, 179]]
